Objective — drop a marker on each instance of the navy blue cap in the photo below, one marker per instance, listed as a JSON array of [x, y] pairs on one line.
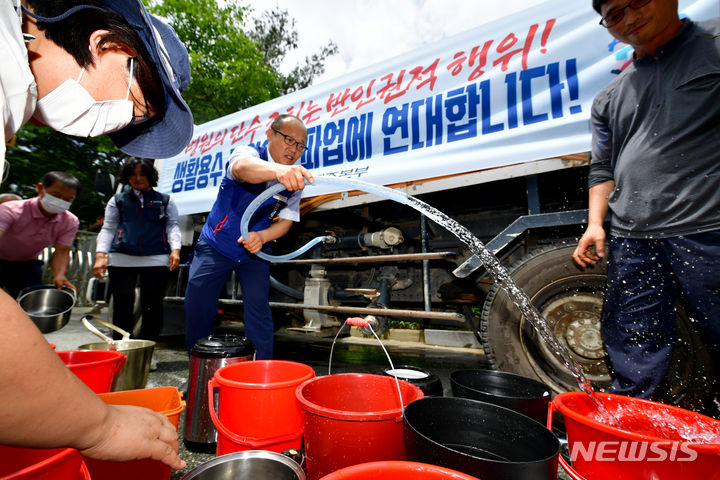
[[169, 136]]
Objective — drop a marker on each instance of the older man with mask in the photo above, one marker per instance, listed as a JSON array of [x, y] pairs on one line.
[[656, 167], [28, 226], [85, 68]]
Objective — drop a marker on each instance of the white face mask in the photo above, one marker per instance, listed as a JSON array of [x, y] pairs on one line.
[[71, 109], [54, 205]]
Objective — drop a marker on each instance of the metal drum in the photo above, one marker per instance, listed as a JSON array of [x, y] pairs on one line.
[[207, 356]]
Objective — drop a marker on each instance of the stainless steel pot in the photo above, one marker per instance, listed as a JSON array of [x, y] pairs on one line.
[[248, 465], [134, 373], [47, 306]]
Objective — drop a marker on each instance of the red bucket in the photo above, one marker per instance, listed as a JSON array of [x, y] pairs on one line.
[[17, 463], [353, 418], [656, 442], [164, 400], [257, 406], [397, 471], [96, 369]]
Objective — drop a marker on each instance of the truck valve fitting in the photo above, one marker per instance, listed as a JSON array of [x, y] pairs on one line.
[[367, 322]]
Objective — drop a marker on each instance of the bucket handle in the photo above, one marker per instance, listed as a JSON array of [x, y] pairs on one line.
[[253, 443], [113, 343], [565, 465], [367, 322]]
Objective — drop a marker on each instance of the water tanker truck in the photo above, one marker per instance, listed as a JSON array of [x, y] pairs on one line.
[[490, 127]]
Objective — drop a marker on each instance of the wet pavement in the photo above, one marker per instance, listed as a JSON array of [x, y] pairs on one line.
[[349, 355]]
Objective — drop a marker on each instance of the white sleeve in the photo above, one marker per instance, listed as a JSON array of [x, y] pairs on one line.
[[291, 211], [239, 152], [172, 227], [110, 224]]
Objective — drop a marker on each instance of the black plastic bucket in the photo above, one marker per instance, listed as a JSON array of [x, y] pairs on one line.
[[518, 393], [429, 383], [481, 439]]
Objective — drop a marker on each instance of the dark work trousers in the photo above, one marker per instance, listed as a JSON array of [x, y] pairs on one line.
[[209, 271], [639, 323], [153, 281], [15, 276]]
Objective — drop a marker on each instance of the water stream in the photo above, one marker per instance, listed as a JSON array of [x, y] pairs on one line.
[[518, 297], [490, 262]]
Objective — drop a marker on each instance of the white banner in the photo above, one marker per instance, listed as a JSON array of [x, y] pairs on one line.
[[515, 90]]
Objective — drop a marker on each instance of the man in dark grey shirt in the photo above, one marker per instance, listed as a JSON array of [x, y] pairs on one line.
[[656, 167]]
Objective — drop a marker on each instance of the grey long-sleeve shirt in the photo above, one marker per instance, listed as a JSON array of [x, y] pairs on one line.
[[656, 133]]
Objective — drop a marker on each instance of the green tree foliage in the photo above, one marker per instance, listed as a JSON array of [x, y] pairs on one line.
[[275, 35], [227, 68], [233, 67]]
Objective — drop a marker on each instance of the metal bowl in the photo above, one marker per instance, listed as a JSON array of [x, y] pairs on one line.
[[248, 465], [47, 306]]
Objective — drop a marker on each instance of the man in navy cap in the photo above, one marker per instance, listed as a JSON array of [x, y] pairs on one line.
[[96, 67], [84, 69]]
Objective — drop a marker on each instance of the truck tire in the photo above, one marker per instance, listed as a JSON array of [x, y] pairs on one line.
[[571, 299]]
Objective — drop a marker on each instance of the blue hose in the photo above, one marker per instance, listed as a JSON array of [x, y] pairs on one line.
[[350, 183]]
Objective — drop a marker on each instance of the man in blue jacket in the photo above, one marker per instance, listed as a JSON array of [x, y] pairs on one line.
[[221, 248]]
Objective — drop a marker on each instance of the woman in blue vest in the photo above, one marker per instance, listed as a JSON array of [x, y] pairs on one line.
[[139, 239], [221, 248]]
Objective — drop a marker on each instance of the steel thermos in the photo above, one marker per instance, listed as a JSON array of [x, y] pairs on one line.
[[207, 356]]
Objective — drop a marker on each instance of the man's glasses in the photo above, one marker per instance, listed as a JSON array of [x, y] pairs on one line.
[[291, 142], [614, 16]]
